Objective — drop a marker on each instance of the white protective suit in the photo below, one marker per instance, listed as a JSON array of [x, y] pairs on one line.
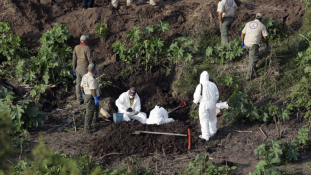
[[159, 116], [115, 3], [123, 103], [207, 109]]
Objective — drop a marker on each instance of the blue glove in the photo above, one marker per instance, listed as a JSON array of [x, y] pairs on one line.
[[267, 47], [74, 70], [96, 101], [95, 73], [83, 96], [243, 44]]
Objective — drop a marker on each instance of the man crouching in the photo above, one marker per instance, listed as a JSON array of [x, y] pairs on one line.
[[129, 104]]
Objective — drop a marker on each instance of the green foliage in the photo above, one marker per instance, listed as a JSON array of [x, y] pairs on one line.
[[11, 46], [129, 166], [151, 50], [37, 91], [307, 2], [275, 30], [228, 80], [47, 162], [242, 111], [22, 112], [201, 165], [6, 149], [277, 152], [220, 53], [102, 31], [303, 135]]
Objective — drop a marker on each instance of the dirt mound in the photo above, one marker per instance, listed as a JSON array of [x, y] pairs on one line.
[[31, 21], [119, 138]]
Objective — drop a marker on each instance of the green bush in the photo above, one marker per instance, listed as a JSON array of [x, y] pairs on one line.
[[200, 165], [102, 31], [151, 50], [22, 112]]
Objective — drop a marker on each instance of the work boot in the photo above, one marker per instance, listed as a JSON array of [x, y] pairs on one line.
[[90, 131], [200, 136]]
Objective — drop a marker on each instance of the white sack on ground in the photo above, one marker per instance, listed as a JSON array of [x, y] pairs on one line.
[[222, 105], [158, 116]]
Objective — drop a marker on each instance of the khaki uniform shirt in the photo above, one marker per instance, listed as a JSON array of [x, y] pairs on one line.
[[89, 82], [253, 31], [81, 57], [227, 7]]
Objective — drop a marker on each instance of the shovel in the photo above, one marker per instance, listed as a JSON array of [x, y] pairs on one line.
[[183, 104], [161, 133]]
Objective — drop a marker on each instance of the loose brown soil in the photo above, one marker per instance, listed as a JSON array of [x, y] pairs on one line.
[[159, 153]]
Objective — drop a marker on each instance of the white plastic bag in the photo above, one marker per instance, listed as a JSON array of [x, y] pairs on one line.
[[158, 116]]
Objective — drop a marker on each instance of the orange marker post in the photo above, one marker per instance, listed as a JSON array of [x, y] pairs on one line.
[[189, 139]]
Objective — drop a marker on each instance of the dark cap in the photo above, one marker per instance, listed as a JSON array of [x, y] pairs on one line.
[[132, 91]]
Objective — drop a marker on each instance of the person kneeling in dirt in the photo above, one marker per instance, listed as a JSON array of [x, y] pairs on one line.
[[129, 104], [115, 3], [90, 93], [53, 2], [207, 95], [252, 33], [81, 58]]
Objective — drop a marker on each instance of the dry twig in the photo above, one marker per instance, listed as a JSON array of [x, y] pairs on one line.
[[263, 132]]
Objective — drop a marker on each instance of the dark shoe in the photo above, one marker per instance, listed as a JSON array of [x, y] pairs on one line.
[[98, 120], [90, 131]]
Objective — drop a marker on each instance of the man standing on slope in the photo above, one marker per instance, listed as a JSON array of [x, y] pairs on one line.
[[207, 95], [251, 36], [81, 58], [226, 10], [90, 93], [129, 104]]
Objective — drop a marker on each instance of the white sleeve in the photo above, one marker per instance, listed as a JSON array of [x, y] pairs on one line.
[[216, 94], [264, 31], [221, 7], [120, 101], [244, 29], [197, 94]]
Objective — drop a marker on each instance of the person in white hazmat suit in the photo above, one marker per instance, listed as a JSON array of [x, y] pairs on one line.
[[206, 93], [159, 116], [129, 104]]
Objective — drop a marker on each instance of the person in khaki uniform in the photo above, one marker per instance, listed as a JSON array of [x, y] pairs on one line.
[[251, 36], [90, 93], [115, 3], [226, 10], [81, 58]]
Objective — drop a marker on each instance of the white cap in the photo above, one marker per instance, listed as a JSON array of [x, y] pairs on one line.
[[259, 16], [84, 38]]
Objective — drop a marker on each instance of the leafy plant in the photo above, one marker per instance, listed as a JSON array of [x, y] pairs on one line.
[[151, 50], [11, 46], [228, 80], [22, 112], [219, 53], [102, 31], [201, 165]]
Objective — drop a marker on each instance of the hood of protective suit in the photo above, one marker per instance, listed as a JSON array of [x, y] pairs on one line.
[[204, 78]]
